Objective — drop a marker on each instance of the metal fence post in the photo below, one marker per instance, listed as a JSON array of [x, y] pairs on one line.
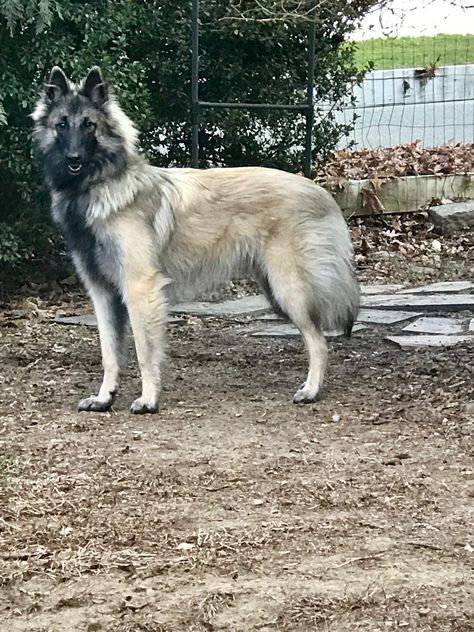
[[195, 84], [196, 105], [310, 101]]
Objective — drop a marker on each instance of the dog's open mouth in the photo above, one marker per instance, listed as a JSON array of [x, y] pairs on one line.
[[74, 168]]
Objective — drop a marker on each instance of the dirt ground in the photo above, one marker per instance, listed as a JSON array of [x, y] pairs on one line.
[[233, 509]]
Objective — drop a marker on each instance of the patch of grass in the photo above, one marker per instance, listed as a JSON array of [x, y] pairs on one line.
[[415, 52]]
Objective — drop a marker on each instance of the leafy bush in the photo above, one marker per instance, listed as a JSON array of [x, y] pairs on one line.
[[12, 250], [144, 50]]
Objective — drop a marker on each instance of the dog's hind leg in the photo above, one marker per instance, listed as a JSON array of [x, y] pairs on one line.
[[292, 293], [317, 354], [112, 319]]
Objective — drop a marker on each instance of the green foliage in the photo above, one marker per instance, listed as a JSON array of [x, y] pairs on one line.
[[416, 52], [144, 50], [11, 247], [41, 11]]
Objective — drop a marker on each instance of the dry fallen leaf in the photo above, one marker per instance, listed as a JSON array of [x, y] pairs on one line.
[[380, 164], [185, 546], [371, 199]]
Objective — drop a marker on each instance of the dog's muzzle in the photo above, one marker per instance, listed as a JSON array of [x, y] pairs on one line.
[[74, 166]]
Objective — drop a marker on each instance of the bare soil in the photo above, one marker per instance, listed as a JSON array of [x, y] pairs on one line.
[[233, 509]]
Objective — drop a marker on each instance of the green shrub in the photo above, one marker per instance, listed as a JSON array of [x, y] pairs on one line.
[[12, 249], [144, 50]]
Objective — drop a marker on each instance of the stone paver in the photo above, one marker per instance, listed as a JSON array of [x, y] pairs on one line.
[[238, 307], [366, 290], [384, 317], [429, 325], [87, 320], [452, 217], [277, 331], [443, 287], [389, 305], [425, 302], [406, 342], [271, 316], [287, 330], [369, 316]]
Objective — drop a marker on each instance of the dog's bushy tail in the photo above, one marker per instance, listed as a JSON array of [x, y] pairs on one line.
[[335, 292]]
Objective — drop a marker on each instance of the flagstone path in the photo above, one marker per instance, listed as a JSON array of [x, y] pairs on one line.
[[381, 305]]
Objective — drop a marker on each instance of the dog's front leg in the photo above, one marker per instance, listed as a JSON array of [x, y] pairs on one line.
[[111, 315], [147, 308]]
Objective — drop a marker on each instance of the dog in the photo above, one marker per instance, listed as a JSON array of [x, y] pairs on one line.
[[139, 235]]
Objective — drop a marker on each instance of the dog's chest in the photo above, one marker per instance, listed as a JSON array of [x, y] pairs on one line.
[[96, 252]]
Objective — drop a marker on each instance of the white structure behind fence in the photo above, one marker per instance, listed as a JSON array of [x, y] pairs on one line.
[[402, 105]]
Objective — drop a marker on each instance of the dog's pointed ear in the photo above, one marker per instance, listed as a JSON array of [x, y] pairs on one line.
[[58, 84], [95, 88]]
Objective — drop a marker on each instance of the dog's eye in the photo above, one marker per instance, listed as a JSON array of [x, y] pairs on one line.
[[89, 124], [61, 125]]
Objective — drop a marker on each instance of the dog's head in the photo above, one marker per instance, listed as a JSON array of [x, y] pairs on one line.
[[81, 133]]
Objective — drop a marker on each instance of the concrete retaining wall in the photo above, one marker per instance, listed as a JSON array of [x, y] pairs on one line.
[[402, 195]]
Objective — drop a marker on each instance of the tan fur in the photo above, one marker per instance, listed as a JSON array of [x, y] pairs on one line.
[[197, 229]]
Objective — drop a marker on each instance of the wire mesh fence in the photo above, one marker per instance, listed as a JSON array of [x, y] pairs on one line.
[[420, 89], [412, 115]]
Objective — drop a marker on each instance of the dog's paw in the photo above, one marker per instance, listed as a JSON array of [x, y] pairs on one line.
[[141, 407], [94, 404], [305, 395]]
